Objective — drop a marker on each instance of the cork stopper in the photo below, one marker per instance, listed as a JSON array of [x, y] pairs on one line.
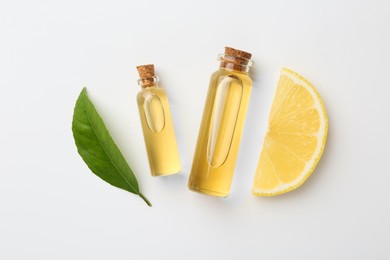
[[237, 53], [236, 59], [146, 74]]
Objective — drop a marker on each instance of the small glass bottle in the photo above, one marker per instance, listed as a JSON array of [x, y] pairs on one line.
[[157, 126], [222, 124]]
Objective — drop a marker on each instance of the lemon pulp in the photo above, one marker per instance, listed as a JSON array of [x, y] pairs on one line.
[[296, 136]]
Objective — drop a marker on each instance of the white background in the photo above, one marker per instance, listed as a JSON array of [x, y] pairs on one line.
[[53, 207]]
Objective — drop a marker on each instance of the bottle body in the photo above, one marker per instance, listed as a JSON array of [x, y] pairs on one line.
[[220, 132], [158, 131]]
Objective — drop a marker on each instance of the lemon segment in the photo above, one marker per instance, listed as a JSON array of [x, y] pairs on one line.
[[296, 136]]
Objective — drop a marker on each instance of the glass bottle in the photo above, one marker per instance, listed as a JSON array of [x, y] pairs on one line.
[[222, 124], [157, 126]]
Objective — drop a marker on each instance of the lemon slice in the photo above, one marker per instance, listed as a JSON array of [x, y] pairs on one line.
[[296, 136]]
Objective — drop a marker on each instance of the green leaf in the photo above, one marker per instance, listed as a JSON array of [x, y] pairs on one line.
[[98, 149]]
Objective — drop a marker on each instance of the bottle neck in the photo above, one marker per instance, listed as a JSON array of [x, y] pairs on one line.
[[149, 82], [234, 63]]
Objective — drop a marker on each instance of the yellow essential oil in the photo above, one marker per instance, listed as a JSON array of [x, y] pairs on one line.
[[222, 124], [157, 124]]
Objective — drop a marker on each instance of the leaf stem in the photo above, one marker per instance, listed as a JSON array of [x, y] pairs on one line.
[[145, 199]]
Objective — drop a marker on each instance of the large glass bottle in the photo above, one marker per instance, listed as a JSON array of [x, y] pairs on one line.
[[222, 124], [157, 124]]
